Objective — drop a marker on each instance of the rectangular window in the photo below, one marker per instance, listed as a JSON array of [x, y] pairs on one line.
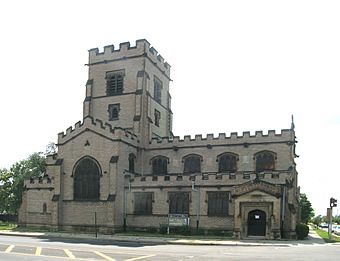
[[113, 111], [179, 203], [218, 203], [157, 117], [114, 82], [143, 203], [158, 86]]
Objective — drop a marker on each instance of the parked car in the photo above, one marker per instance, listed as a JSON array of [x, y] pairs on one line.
[[336, 229], [324, 226]]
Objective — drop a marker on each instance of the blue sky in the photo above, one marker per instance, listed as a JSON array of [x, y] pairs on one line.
[[242, 66]]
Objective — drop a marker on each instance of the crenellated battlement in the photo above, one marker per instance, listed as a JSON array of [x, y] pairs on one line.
[[209, 178], [272, 136], [99, 127], [142, 48], [45, 182]]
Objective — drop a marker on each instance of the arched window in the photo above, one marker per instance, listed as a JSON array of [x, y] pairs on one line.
[[86, 179], [132, 158], [265, 160], [227, 162], [44, 208], [159, 165], [192, 163]]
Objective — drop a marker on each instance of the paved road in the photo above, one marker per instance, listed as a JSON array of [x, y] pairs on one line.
[[36, 249]]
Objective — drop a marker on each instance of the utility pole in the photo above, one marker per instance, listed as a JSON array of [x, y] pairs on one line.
[[332, 203]]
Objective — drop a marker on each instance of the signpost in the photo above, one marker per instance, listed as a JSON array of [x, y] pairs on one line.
[[177, 220]]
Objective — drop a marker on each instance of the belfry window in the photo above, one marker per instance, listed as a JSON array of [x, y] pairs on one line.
[[265, 161], [86, 179], [114, 82], [113, 111], [159, 165], [227, 162], [192, 163], [158, 86]]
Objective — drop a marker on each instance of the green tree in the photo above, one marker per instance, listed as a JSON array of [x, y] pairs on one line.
[[307, 212], [12, 181], [5, 191], [317, 220], [336, 219]]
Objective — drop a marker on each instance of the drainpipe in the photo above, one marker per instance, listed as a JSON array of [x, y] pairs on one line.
[[283, 209], [125, 204], [198, 202]]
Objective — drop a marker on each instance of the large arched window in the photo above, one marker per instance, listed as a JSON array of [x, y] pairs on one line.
[[227, 162], [86, 179], [265, 161], [192, 163], [159, 165]]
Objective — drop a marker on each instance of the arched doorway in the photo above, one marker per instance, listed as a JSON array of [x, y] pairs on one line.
[[257, 223]]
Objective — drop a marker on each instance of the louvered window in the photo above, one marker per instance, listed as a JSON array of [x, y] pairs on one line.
[[217, 203], [114, 83]]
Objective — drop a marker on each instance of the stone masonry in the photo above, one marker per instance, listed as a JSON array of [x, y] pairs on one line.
[[123, 164]]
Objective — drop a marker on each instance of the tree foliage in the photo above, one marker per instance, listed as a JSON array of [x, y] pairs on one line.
[[12, 181], [318, 220], [307, 212]]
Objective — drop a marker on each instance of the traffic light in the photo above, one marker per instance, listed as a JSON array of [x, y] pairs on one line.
[[333, 202]]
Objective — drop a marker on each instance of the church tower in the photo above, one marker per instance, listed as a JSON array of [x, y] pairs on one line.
[[129, 88]]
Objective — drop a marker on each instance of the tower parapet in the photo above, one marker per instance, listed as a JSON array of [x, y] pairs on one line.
[[125, 51]]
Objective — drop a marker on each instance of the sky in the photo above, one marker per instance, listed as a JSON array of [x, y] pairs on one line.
[[236, 66]]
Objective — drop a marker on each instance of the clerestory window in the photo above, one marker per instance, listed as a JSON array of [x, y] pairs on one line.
[[227, 162], [192, 163], [159, 165], [265, 161]]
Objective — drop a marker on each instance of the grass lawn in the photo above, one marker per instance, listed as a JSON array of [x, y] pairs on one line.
[[324, 235], [7, 226]]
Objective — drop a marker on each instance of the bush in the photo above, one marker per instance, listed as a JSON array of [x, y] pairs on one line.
[[182, 230], [302, 231]]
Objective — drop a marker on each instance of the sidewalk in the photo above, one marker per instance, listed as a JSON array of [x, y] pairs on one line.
[[313, 238]]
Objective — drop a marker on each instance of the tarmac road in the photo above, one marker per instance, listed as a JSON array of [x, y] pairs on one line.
[[53, 248]]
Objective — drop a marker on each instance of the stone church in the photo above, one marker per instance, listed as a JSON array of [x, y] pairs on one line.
[[121, 167]]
